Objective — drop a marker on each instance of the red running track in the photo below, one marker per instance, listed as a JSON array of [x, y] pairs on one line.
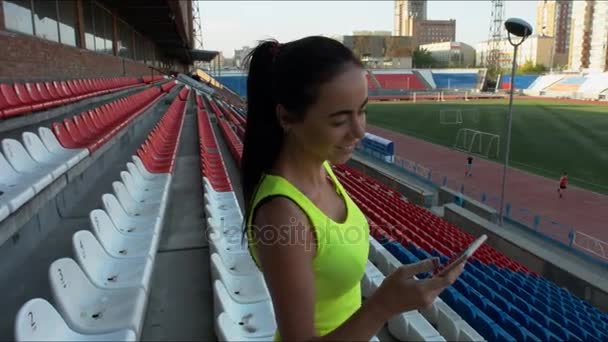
[[583, 210]]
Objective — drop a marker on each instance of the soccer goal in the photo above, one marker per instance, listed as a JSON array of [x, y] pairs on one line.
[[450, 117], [478, 142]]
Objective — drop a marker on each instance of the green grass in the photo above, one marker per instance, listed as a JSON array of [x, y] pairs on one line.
[[547, 137]]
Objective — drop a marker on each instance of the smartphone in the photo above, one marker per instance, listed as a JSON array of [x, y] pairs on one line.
[[462, 256]]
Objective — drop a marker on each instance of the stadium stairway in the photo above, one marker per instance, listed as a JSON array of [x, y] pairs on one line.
[[41, 230]]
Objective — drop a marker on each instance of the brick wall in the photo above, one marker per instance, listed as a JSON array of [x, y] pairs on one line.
[[24, 57]]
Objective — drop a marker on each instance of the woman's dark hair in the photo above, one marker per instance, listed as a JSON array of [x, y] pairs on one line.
[[288, 74]]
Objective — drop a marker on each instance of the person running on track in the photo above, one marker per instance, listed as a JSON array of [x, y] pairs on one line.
[[469, 170], [563, 184]]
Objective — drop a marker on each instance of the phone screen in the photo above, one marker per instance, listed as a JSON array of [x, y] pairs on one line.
[[463, 255]]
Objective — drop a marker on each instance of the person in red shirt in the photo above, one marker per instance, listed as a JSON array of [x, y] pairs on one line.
[[563, 184]]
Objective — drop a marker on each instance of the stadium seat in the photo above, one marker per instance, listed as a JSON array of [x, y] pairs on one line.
[[4, 210], [16, 189], [243, 289], [372, 278], [253, 320], [119, 245], [239, 264], [131, 205], [108, 272], [73, 156], [411, 326], [125, 224], [92, 310], [142, 195], [38, 320], [228, 330], [23, 163]]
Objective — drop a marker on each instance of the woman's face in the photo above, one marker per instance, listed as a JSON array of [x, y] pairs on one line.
[[333, 125]]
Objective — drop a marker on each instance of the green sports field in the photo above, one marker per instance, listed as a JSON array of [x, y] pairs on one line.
[[547, 137]]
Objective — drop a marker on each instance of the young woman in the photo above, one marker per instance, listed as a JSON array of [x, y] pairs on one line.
[[306, 109]]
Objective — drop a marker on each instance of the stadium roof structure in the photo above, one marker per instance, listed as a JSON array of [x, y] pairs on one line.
[[167, 23], [203, 55]]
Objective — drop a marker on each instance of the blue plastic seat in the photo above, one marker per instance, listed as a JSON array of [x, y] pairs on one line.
[[477, 300], [539, 317]]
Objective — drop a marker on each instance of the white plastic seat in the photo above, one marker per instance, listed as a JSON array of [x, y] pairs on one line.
[[242, 288], [42, 155], [134, 230], [23, 162], [119, 245], [16, 188], [252, 320], [143, 195], [142, 182], [448, 323], [239, 263], [216, 194], [4, 210], [38, 320], [226, 330], [132, 206], [126, 223], [49, 140], [89, 309], [218, 214], [411, 326], [17, 180], [226, 245], [216, 222], [371, 279], [225, 201], [384, 260], [147, 174], [106, 271]]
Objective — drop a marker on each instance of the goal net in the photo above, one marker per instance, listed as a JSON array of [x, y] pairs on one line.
[[478, 142], [450, 117]]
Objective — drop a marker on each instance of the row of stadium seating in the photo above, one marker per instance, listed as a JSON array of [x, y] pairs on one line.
[[497, 299], [21, 98], [103, 294], [28, 168], [574, 86], [422, 80]]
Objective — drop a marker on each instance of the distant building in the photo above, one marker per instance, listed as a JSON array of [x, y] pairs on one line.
[[432, 31], [451, 54], [554, 19], [384, 52], [239, 56], [537, 49], [406, 9], [588, 43], [372, 33]]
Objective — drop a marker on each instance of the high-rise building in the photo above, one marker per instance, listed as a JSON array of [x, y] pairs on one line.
[[433, 31], [404, 10], [588, 42], [554, 18]]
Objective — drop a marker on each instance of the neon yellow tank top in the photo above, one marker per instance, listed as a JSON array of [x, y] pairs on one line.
[[342, 251]]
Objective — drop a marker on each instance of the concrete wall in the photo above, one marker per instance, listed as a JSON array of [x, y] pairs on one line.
[[28, 57], [553, 269], [447, 195]]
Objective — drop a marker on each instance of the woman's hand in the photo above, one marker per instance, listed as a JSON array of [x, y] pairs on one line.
[[400, 292]]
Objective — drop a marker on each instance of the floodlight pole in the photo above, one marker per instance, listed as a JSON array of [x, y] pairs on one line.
[[509, 122]]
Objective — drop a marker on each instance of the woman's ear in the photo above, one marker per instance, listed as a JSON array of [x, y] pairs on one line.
[[284, 117]]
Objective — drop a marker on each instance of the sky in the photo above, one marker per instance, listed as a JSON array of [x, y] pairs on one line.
[[230, 25]]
